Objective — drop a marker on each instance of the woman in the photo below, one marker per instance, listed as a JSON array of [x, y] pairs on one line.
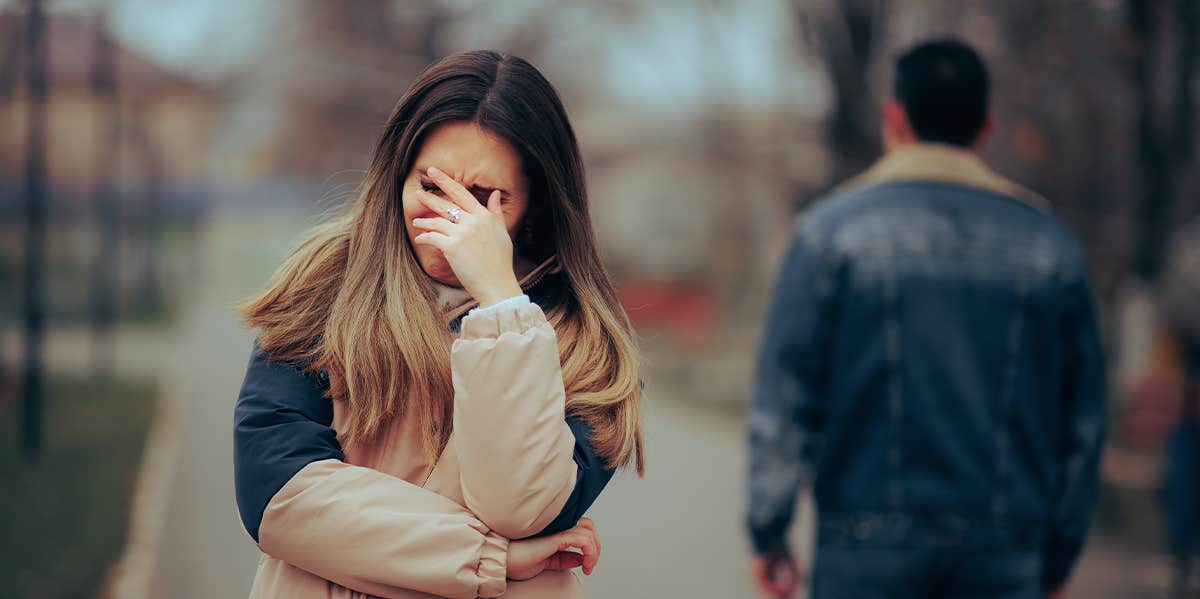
[[445, 369]]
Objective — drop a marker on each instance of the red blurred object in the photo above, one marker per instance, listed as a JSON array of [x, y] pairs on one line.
[[685, 310], [1156, 402]]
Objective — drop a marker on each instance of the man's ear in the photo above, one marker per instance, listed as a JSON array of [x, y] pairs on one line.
[[896, 128], [985, 132]]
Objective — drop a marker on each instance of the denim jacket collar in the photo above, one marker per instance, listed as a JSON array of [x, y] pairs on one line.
[[942, 163]]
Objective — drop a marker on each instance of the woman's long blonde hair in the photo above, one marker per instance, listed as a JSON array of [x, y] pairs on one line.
[[353, 300]]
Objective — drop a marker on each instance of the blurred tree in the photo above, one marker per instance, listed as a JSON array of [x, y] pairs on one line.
[[1165, 116], [10, 59], [35, 232], [1060, 95], [846, 36], [1188, 15], [150, 223], [106, 209], [10, 62], [343, 68]]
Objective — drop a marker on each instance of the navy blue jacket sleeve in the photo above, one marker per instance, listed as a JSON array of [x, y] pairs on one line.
[[282, 423], [590, 479]]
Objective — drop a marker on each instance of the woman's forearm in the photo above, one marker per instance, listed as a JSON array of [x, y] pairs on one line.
[[515, 449], [378, 534]]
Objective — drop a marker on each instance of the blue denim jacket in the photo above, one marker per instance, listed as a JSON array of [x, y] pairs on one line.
[[931, 366]]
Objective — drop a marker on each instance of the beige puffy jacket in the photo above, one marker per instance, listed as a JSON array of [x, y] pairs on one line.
[[386, 522]]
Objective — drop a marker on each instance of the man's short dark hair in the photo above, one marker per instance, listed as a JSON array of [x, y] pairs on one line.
[[943, 86]]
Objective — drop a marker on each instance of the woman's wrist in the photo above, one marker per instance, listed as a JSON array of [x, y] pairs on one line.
[[513, 303], [498, 292]]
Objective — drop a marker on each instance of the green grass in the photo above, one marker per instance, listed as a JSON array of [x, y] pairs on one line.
[[63, 517]]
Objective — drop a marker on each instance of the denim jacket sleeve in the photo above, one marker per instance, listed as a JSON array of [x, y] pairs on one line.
[[786, 411], [1084, 419]]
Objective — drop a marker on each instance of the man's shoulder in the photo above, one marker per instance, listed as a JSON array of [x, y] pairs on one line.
[[842, 202], [869, 197], [880, 207], [845, 204]]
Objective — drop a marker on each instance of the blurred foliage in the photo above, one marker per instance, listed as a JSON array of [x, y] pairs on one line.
[[70, 280], [63, 518]]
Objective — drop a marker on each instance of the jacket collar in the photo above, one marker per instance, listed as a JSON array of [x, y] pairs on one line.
[[456, 301], [942, 163]]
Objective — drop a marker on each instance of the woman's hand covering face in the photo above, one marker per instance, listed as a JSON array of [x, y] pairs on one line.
[[478, 246], [465, 173]]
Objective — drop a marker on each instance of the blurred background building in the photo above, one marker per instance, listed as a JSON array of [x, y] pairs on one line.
[[158, 158]]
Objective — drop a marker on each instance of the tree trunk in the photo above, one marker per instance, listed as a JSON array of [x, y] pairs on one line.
[[107, 208], [846, 38], [35, 235], [853, 126], [150, 290], [1160, 148]]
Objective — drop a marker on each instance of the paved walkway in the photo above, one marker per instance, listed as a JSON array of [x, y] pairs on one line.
[[676, 533], [1113, 569], [206, 553]]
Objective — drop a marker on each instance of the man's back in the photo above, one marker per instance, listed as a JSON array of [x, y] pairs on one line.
[[931, 364], [956, 313]]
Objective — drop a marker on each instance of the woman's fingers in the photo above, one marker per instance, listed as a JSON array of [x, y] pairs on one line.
[[432, 239], [559, 553], [439, 225], [435, 203], [590, 559], [493, 203], [454, 190], [584, 540], [590, 525], [564, 560]]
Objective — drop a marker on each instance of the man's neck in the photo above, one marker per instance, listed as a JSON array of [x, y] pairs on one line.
[[914, 144]]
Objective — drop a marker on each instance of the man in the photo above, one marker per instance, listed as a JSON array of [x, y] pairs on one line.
[[931, 366]]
